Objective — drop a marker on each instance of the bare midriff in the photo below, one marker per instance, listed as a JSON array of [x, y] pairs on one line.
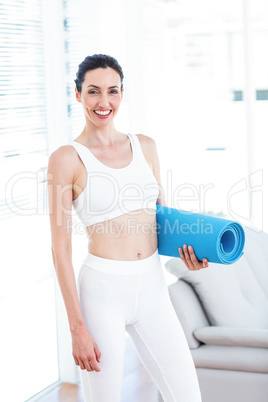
[[131, 236]]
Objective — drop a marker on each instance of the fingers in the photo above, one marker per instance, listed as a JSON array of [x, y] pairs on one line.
[[76, 360], [186, 258], [189, 258], [97, 353], [88, 362], [197, 265], [94, 363], [183, 257], [81, 364]]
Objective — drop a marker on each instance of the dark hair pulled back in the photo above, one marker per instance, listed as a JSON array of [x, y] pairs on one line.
[[93, 62]]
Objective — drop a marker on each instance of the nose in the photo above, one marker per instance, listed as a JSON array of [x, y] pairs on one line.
[[104, 101]]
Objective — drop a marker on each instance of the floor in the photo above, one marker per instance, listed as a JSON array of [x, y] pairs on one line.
[[73, 393], [67, 393]]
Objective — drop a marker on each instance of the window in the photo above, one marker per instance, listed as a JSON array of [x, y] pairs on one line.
[[27, 302], [215, 59], [262, 94], [238, 96]]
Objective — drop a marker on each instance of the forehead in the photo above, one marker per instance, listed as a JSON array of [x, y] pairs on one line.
[[102, 77]]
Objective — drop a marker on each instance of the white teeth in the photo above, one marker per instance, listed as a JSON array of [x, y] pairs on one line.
[[102, 113]]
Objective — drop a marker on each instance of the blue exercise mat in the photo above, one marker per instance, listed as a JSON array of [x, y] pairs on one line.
[[217, 239]]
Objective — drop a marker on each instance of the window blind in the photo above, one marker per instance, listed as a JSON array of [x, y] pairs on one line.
[[23, 134]]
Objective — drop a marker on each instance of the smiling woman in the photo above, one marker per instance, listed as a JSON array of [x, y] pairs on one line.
[[102, 101], [112, 180]]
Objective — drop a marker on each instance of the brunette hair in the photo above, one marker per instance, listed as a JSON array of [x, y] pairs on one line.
[[93, 62]]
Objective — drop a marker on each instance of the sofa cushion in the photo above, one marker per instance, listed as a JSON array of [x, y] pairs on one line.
[[231, 358], [233, 336], [232, 295], [190, 314]]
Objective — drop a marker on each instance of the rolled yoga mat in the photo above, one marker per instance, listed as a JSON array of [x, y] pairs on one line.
[[217, 239]]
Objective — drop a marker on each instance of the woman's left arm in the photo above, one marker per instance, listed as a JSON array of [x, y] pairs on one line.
[[187, 254], [156, 171], [149, 149]]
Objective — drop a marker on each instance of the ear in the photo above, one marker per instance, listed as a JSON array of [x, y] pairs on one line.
[[122, 93], [77, 95]]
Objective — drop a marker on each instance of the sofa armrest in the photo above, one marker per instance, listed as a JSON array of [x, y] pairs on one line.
[[226, 336]]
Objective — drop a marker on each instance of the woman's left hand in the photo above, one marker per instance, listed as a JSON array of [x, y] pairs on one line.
[[189, 258]]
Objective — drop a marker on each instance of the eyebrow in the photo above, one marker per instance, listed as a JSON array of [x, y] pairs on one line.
[[95, 86]]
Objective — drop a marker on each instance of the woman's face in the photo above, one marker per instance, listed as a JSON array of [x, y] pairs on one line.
[[100, 95]]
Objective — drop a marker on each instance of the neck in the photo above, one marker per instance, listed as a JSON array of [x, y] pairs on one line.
[[99, 136]]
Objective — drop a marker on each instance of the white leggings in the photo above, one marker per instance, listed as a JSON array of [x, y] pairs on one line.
[[117, 296]]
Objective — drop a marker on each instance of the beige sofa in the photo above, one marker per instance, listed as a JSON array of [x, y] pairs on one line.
[[223, 310]]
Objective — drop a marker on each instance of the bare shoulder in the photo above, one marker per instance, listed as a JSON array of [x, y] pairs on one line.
[[64, 154], [63, 160], [148, 144]]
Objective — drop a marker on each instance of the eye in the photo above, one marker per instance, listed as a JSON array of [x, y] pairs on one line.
[[92, 92], [114, 91]]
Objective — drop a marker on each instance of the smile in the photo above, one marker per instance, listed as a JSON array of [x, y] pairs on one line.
[[103, 113]]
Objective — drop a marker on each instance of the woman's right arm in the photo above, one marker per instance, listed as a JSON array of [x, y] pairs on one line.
[[60, 177]]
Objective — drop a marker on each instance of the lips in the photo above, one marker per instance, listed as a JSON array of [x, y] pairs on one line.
[[101, 114]]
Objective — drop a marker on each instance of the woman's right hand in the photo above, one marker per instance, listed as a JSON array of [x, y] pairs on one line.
[[85, 351]]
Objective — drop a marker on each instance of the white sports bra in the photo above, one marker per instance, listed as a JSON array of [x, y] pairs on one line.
[[111, 192]]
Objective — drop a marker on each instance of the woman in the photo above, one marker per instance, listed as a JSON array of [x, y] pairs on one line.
[[113, 182]]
